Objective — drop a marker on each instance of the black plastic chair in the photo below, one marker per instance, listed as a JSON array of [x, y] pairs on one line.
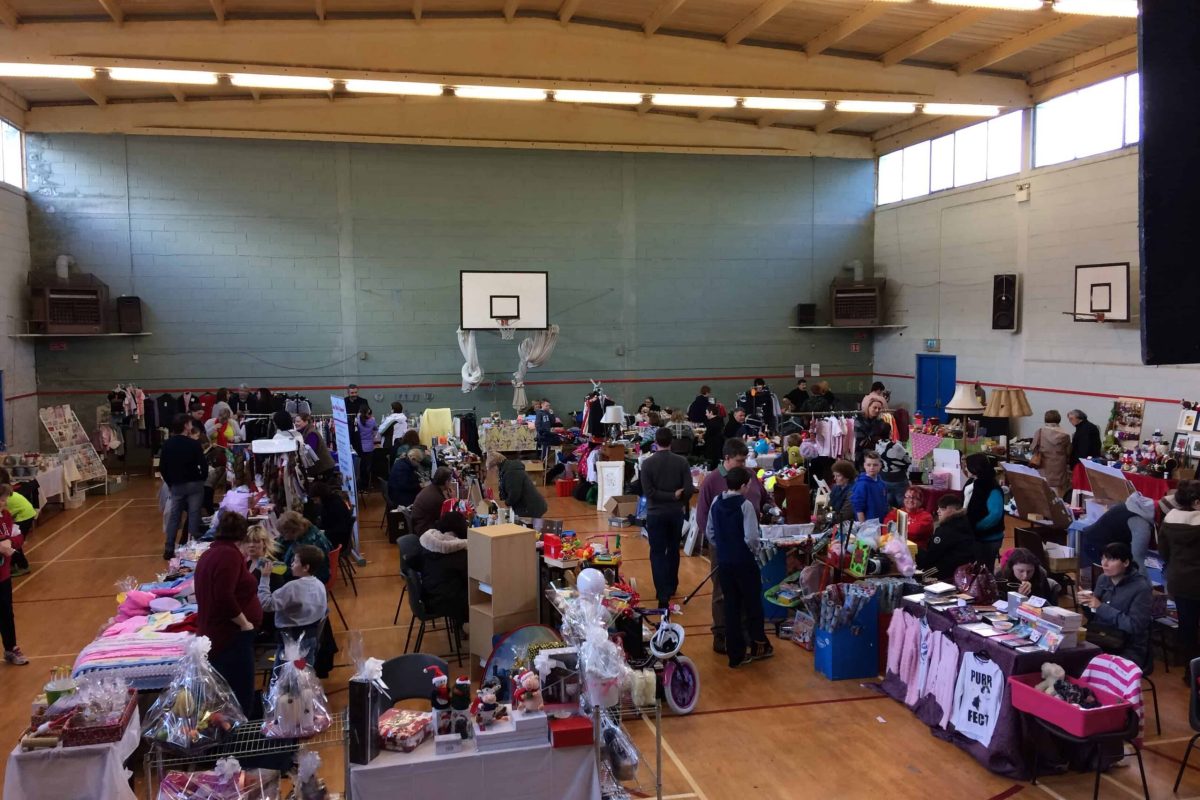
[[1193, 718], [383, 492], [427, 617], [401, 544], [1127, 734], [1096, 571], [406, 678]]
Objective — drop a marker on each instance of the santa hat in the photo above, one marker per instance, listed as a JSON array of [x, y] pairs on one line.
[[462, 682], [439, 677]]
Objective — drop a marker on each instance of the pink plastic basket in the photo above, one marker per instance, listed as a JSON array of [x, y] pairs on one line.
[[1109, 717]]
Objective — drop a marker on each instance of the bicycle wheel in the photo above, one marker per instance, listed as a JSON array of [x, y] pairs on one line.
[[682, 691]]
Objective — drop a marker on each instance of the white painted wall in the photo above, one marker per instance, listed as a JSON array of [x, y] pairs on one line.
[[21, 424], [939, 254]]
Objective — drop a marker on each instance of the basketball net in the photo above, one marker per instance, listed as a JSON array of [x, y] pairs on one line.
[[508, 329]]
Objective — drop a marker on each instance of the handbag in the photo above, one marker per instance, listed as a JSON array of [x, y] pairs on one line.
[[1035, 460], [977, 580]]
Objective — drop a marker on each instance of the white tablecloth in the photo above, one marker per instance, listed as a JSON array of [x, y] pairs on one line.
[[532, 773], [90, 772]]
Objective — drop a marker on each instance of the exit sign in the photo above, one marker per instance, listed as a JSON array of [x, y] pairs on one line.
[[933, 345], [855, 347]]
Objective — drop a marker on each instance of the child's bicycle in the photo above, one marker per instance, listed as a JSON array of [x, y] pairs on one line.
[[676, 675]]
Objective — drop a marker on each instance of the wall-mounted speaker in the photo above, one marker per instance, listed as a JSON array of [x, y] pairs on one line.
[[1004, 302], [806, 314], [129, 314]]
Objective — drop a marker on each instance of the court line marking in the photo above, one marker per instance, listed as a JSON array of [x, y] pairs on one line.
[[40, 569], [1176, 740], [670, 751], [1050, 791], [1138, 794], [57, 531]]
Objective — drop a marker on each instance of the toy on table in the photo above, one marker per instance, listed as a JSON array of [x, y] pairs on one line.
[[602, 556], [1051, 673], [439, 700], [527, 690], [460, 708], [486, 707]]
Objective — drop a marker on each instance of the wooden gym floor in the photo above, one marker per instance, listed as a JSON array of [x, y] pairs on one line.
[[775, 729]]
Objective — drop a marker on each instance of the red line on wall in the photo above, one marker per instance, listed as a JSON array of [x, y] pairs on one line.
[[1046, 389], [13, 397], [457, 384]]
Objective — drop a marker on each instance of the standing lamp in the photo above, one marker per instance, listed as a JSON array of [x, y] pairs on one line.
[[1008, 404], [614, 416]]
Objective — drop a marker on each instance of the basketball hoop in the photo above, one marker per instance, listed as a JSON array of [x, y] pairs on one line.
[[507, 328]]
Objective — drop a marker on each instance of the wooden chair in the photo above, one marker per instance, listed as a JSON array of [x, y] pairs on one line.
[[1193, 717], [406, 678], [335, 556]]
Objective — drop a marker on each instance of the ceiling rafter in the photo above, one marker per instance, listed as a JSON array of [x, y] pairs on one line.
[[859, 19], [941, 31], [771, 118], [92, 89], [8, 16], [218, 7], [567, 10], [832, 121], [754, 20], [1051, 30], [177, 93], [114, 11], [417, 10], [510, 9], [660, 15], [320, 10]]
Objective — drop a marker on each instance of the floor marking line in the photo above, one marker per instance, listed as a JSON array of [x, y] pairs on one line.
[[1138, 794], [42, 568], [670, 751], [57, 531], [1050, 791], [797, 704]]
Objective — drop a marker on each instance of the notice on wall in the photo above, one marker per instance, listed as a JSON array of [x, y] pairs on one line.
[[345, 458], [814, 371]]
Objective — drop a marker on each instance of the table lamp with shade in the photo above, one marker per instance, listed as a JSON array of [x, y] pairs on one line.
[[963, 404], [614, 416], [1008, 404]]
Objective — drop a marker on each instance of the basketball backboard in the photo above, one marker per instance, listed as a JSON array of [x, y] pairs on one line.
[[1102, 292], [521, 299]]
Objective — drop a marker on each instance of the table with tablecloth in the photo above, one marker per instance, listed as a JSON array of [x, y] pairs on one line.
[[1005, 753], [507, 438], [1154, 488], [528, 773], [87, 772]]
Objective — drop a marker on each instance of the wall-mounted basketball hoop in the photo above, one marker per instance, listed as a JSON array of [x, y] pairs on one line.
[[507, 328], [503, 302], [1101, 293]]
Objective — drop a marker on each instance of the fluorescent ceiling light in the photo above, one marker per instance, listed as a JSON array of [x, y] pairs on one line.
[[1098, 8], [960, 110], [393, 87], [694, 100], [22, 70], [783, 104], [1004, 5], [499, 93], [875, 107], [181, 76], [587, 96], [301, 82]]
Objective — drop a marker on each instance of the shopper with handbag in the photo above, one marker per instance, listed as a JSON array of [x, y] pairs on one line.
[[1051, 453]]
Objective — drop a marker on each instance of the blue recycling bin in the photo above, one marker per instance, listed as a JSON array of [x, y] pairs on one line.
[[851, 651]]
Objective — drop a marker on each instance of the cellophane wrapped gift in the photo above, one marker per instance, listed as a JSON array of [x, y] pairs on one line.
[[296, 706], [403, 729], [197, 709], [226, 781], [308, 784]]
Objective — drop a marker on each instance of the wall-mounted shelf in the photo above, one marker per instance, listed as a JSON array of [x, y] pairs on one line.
[[843, 327], [71, 335]]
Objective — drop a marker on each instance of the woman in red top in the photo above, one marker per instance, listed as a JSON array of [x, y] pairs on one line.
[[228, 611], [920, 521], [10, 540]]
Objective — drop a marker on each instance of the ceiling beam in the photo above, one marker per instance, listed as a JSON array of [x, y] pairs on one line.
[[218, 7], [754, 20], [859, 19], [567, 10], [8, 16], [114, 11], [1051, 30], [13, 106], [664, 10], [832, 121], [510, 9], [944, 30], [417, 10], [771, 118], [177, 93], [92, 89], [320, 9], [1096, 65]]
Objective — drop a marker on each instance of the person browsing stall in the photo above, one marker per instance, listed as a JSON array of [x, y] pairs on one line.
[[300, 605], [11, 540], [733, 456], [732, 529], [1179, 545], [1118, 609], [697, 410], [404, 481], [714, 436], [985, 509], [297, 531], [920, 521], [844, 477], [869, 497], [24, 515], [667, 485], [1085, 443], [516, 487], [869, 431], [393, 427], [1051, 452], [427, 506], [896, 461], [183, 467], [798, 396], [952, 543], [1024, 574]]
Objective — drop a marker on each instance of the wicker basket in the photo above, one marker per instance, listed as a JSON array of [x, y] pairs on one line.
[[75, 734]]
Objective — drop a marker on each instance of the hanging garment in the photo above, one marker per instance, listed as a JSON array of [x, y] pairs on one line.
[[917, 685], [1121, 677], [167, 406], [435, 422], [978, 695], [208, 400], [942, 675]]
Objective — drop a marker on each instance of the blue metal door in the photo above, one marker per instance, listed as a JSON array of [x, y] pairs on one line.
[[935, 383]]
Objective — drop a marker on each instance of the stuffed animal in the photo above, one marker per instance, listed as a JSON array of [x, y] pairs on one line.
[[439, 699], [1075, 694], [1051, 673], [460, 703], [528, 690], [486, 709]]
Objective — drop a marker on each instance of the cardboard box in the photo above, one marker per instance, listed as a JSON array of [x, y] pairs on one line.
[[621, 505], [1061, 558], [612, 452]]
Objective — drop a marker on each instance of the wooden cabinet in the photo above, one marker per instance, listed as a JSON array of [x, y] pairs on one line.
[[502, 582], [798, 507]]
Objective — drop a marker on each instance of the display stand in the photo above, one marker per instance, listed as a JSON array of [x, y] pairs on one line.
[[83, 465], [1125, 425], [612, 787], [502, 582], [248, 742]]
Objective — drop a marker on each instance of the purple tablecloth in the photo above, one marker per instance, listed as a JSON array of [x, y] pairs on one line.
[[1005, 754]]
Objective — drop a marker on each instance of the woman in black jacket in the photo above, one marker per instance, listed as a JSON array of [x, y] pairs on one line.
[[443, 567], [405, 480], [334, 514]]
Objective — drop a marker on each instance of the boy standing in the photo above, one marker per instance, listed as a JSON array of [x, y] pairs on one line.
[[869, 497], [300, 606], [732, 529]]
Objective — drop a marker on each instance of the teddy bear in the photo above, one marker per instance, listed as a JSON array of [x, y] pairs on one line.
[[1051, 673]]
